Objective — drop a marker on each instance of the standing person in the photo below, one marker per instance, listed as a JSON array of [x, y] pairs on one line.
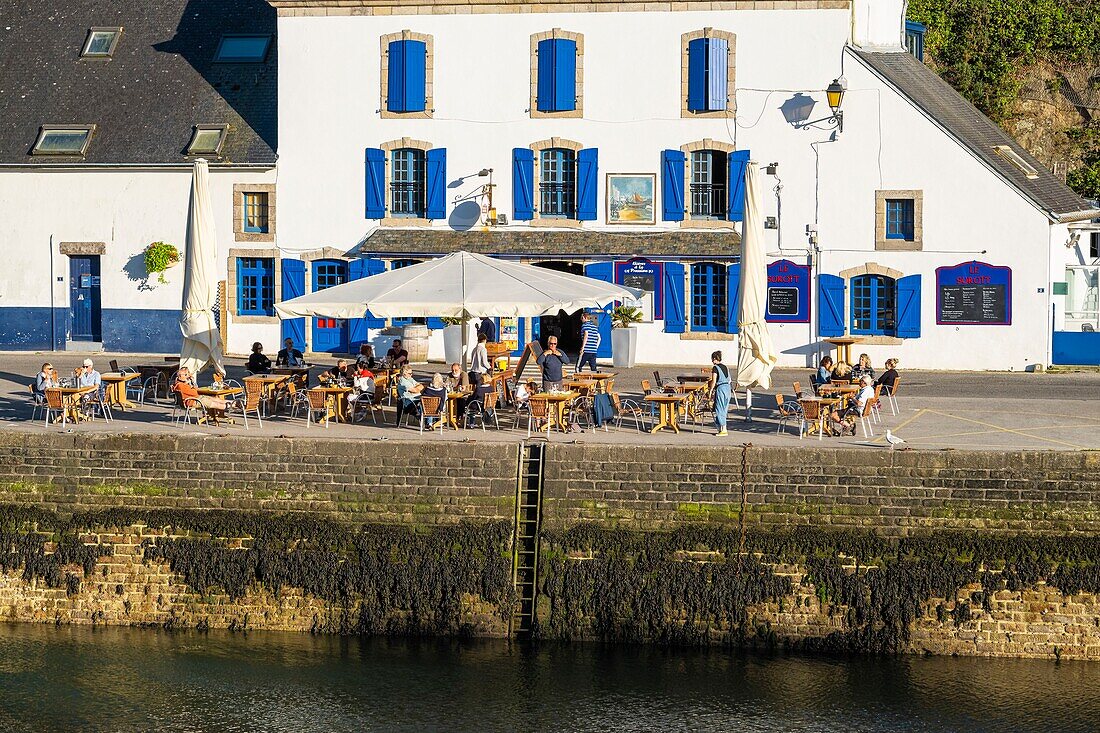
[[289, 356], [722, 388], [590, 342], [479, 357], [257, 362], [397, 355], [551, 361], [488, 329]]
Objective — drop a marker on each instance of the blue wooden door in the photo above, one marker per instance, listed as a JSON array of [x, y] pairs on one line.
[[84, 302], [329, 334]]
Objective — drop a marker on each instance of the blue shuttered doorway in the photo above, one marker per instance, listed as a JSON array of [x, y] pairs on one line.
[[84, 298]]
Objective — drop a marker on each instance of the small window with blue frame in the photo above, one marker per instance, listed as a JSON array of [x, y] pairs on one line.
[[255, 286], [900, 219]]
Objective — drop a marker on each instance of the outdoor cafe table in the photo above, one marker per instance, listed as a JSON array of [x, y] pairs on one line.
[[686, 390], [221, 392], [70, 397], [453, 396], [337, 400], [556, 404], [116, 388], [670, 405], [690, 378], [843, 346]]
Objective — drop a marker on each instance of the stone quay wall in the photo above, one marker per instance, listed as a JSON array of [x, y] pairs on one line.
[[125, 537]]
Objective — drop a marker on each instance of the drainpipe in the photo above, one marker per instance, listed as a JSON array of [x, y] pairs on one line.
[[53, 317]]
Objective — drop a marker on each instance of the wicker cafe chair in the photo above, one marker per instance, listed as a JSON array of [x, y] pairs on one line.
[[580, 411], [875, 404], [892, 396], [797, 390], [253, 399], [431, 412], [791, 410], [628, 409], [97, 401], [483, 411], [538, 414], [38, 402], [811, 414], [55, 406], [316, 402], [866, 419]]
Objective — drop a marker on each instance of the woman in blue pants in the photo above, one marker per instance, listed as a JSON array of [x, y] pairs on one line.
[[722, 389]]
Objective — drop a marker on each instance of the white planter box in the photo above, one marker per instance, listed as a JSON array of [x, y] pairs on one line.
[[624, 346], [452, 344]]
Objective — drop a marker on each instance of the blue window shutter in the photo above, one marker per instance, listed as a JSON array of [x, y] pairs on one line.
[[674, 298], [672, 185], [416, 64], [588, 177], [395, 95], [294, 286], [697, 75], [565, 75], [435, 323], [357, 327], [733, 293], [373, 266], [908, 294], [435, 161], [376, 183], [830, 306], [547, 63], [523, 184], [717, 74], [738, 164], [603, 271]]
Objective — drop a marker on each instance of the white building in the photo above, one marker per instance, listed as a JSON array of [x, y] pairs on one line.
[[613, 134], [100, 106]]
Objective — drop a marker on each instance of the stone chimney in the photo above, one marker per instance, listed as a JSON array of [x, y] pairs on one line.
[[879, 24]]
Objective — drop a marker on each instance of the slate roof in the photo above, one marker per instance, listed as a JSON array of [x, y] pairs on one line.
[[145, 99], [554, 243], [976, 132]]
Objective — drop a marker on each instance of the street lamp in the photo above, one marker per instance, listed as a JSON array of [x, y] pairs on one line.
[[835, 94]]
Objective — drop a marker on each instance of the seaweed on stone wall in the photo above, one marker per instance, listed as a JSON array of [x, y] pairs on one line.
[[26, 551]]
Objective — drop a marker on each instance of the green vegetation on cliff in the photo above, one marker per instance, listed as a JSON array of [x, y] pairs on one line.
[[985, 48]]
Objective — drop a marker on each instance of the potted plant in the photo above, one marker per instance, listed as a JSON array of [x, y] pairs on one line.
[[624, 337], [159, 256], [452, 339]]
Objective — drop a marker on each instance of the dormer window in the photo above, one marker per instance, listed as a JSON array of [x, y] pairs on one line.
[[1017, 160], [243, 49], [101, 42], [63, 139], [207, 140]]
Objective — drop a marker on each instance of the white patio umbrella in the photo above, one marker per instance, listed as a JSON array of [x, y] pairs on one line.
[[756, 355], [460, 285], [201, 340]]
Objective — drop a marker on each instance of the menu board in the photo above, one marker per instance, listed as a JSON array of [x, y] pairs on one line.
[[974, 293], [644, 275], [788, 293]]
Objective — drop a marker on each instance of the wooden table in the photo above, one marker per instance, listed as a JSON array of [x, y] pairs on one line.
[[336, 399], [453, 397], [300, 375], [556, 404], [843, 346], [70, 397], [116, 388], [687, 389], [670, 405], [221, 392], [692, 378], [826, 407]]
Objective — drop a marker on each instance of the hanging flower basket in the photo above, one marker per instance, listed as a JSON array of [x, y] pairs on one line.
[[159, 256]]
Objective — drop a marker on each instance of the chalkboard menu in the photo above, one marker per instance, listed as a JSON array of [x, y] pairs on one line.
[[974, 293], [788, 293]]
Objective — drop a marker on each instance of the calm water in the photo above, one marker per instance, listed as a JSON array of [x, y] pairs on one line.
[[61, 679]]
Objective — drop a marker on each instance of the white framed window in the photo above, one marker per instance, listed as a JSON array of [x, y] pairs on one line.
[[100, 42], [63, 139]]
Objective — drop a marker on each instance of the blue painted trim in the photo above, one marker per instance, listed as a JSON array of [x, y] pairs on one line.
[[1076, 347], [142, 330]]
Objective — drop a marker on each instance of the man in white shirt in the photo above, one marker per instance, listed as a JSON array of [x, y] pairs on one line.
[[479, 357]]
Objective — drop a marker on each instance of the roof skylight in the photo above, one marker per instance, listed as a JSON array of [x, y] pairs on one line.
[[243, 49], [206, 140], [101, 42], [1017, 160], [63, 139]]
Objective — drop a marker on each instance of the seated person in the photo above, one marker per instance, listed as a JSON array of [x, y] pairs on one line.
[[889, 377], [437, 388], [338, 372], [458, 378], [185, 387], [366, 359], [289, 356], [855, 405], [257, 362], [482, 387], [87, 376], [45, 379], [863, 368], [841, 371], [825, 370], [408, 390], [397, 355]]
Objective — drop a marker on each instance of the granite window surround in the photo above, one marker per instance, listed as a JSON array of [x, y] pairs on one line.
[[239, 233]]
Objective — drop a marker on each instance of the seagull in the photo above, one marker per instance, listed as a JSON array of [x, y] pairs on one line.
[[894, 441]]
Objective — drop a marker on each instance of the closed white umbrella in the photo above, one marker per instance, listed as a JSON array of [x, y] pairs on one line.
[[756, 354], [460, 285], [201, 340]]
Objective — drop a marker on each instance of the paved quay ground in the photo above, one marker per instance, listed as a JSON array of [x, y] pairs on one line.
[[937, 410]]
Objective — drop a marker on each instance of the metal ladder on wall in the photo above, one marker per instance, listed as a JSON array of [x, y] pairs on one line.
[[525, 545]]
